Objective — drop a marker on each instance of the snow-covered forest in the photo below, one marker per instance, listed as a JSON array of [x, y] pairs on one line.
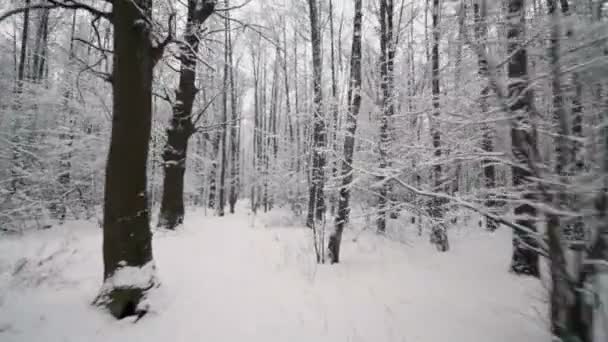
[[304, 170]]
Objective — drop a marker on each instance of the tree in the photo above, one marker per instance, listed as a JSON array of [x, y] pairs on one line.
[[224, 121], [182, 123], [38, 67], [489, 170], [354, 104], [234, 125], [316, 198], [438, 234], [127, 239], [387, 54], [523, 139]]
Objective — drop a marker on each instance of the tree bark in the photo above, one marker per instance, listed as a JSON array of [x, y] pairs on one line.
[[523, 139], [224, 122], [316, 197], [438, 233], [334, 107], [40, 47], [234, 126], [181, 126], [127, 239], [354, 104], [489, 171], [23, 53], [387, 52]]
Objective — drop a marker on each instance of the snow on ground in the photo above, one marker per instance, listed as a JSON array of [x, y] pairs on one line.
[[240, 279]]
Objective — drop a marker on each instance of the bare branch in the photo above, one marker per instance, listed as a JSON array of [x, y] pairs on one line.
[[199, 115], [158, 50]]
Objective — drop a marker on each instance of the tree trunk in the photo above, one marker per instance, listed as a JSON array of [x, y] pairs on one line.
[[127, 239], [523, 139], [40, 47], [181, 126], [224, 122], [438, 234], [334, 108], [255, 188], [387, 52], [215, 150], [234, 125], [316, 197], [489, 172], [23, 53], [354, 103]]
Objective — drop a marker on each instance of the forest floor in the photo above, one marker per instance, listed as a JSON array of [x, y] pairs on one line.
[[243, 279]]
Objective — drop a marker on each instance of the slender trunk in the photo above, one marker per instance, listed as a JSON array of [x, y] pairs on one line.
[[265, 138], [215, 150], [523, 138], [489, 172], [457, 174], [297, 108], [387, 51], [256, 135], [354, 103], [23, 54], [438, 234], [234, 125], [40, 47], [274, 102], [334, 105], [224, 123], [316, 201]]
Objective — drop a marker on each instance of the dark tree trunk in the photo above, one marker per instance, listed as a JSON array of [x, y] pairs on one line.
[[316, 197], [40, 47], [127, 239], [523, 139], [567, 297], [387, 52], [181, 126], [215, 147], [234, 125], [457, 170], [224, 123], [489, 171], [354, 103], [255, 189], [438, 234], [23, 53], [334, 108]]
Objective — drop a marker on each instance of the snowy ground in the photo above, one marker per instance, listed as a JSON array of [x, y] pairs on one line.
[[236, 279]]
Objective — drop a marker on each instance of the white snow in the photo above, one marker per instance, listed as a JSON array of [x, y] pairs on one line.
[[236, 279], [131, 276]]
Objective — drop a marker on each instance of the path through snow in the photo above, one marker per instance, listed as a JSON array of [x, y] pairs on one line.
[[227, 279]]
